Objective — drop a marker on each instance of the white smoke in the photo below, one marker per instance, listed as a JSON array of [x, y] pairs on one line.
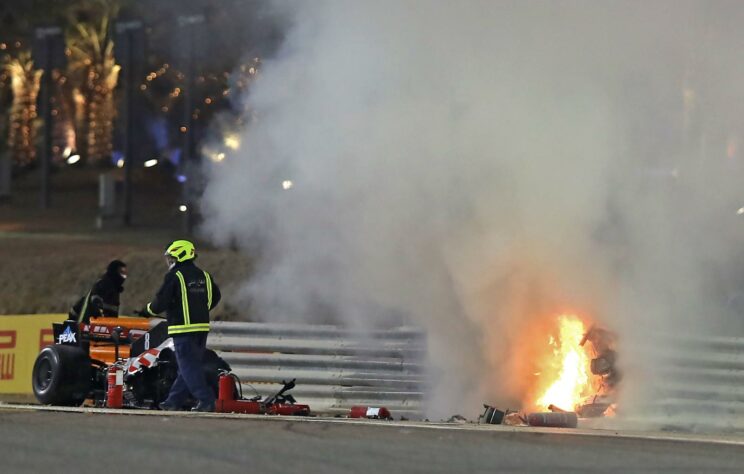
[[473, 166]]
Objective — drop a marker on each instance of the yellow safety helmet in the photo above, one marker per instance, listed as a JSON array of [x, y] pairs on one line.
[[181, 250]]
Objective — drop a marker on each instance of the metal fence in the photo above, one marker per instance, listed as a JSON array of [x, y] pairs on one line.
[[696, 382], [335, 368], [693, 382]]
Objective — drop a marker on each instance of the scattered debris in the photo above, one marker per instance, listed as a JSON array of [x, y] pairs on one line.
[[553, 420], [603, 344], [601, 359], [593, 409], [375, 413], [514, 419], [457, 419], [492, 416]]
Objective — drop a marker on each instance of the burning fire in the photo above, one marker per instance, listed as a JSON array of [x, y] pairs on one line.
[[565, 377]]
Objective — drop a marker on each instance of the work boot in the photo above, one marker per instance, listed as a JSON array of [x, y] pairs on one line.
[[204, 406], [164, 406]]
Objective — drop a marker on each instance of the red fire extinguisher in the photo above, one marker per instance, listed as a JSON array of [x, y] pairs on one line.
[[381, 413], [226, 391], [115, 383]]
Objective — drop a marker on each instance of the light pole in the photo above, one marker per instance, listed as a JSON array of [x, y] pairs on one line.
[[48, 54], [129, 50], [190, 49]]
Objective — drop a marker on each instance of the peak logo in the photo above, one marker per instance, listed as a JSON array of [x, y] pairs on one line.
[[67, 337]]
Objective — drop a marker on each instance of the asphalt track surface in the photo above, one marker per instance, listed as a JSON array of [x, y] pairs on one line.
[[106, 443]]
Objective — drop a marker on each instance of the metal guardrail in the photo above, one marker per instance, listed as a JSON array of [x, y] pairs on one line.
[[336, 368], [697, 381]]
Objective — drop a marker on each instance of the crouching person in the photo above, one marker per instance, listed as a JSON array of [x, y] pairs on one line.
[[103, 297], [187, 295]]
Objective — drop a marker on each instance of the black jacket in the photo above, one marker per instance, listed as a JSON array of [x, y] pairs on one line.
[[187, 295], [103, 299]]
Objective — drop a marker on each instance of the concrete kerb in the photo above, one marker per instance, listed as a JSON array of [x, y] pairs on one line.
[[730, 440]]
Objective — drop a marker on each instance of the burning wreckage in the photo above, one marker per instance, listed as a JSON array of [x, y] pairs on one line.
[[128, 362], [577, 378]]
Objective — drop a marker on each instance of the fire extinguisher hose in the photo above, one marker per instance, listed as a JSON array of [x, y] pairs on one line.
[[238, 384]]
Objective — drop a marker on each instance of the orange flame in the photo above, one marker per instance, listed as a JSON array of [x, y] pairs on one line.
[[564, 377]]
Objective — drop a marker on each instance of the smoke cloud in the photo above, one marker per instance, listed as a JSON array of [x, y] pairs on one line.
[[475, 167]]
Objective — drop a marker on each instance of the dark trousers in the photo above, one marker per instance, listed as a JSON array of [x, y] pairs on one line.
[[190, 349]]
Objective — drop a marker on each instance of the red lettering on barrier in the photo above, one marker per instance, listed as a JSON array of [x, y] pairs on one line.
[[7, 366], [46, 338], [7, 339]]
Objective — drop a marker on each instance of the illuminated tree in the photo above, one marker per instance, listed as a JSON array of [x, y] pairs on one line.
[[17, 82], [94, 73], [25, 82], [83, 102], [63, 111]]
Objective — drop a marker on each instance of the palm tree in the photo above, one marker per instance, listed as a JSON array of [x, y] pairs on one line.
[[94, 73], [25, 83]]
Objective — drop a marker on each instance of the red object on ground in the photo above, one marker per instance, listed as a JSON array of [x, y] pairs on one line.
[[381, 413], [553, 420], [227, 403], [226, 388], [287, 409], [115, 383]]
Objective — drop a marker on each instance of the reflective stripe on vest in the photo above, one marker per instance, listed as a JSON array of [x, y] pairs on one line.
[[84, 309], [184, 300], [187, 327], [200, 327], [209, 290]]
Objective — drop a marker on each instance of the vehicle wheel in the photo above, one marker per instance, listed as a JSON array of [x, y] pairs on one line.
[[61, 375]]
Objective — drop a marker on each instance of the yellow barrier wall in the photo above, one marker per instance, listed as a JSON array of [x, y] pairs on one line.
[[21, 339]]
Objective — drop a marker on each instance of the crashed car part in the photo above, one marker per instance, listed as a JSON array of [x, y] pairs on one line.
[[150, 375], [553, 420], [592, 410], [372, 413], [280, 403], [149, 359], [61, 375], [604, 364], [70, 371], [492, 416]]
